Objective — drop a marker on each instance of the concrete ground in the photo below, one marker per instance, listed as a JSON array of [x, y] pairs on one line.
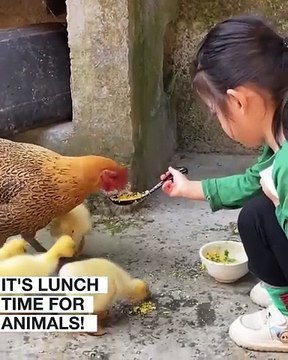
[[160, 243]]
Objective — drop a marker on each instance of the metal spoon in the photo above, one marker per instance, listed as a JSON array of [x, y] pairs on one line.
[[131, 198]]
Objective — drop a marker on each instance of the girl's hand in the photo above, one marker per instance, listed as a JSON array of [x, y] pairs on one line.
[[176, 187], [268, 193]]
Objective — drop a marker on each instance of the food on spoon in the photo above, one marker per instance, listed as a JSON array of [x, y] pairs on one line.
[[130, 196], [220, 258]]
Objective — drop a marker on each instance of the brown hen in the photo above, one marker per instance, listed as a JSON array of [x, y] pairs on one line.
[[38, 185]]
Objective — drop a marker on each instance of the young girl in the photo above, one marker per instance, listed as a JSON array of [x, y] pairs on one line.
[[242, 76]]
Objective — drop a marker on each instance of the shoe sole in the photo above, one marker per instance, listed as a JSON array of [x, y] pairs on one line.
[[264, 306], [268, 346]]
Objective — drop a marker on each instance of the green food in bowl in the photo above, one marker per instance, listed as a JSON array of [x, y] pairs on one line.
[[222, 258]]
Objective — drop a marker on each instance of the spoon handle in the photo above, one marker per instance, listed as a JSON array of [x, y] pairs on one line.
[[183, 170]]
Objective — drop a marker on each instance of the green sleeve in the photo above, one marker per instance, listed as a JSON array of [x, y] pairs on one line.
[[280, 175], [231, 192]]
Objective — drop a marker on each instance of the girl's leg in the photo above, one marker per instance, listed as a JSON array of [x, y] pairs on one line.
[[264, 240], [266, 246]]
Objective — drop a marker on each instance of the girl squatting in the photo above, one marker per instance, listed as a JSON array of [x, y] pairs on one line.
[[241, 75]]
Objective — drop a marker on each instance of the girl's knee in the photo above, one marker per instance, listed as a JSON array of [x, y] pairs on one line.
[[245, 217], [253, 211]]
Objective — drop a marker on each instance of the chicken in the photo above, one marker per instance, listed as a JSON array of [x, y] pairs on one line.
[[121, 286], [38, 264], [12, 248], [38, 185], [77, 223]]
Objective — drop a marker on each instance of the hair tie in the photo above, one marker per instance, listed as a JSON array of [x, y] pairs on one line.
[[285, 42]]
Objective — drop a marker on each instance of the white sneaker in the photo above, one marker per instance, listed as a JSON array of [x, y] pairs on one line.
[[260, 296], [264, 330]]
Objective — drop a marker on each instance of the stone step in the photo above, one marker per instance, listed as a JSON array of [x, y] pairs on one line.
[[55, 137]]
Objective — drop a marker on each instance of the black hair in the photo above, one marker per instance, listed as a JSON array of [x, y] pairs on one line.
[[244, 50]]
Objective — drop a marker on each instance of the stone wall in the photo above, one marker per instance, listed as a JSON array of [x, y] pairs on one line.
[[197, 132]]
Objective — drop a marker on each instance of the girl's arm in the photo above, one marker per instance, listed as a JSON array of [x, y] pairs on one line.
[[233, 191], [229, 192], [193, 190]]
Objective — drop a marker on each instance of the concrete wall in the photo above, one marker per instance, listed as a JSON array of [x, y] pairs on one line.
[[196, 132]]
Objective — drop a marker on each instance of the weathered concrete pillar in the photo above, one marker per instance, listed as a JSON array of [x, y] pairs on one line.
[[98, 40], [153, 118], [117, 82]]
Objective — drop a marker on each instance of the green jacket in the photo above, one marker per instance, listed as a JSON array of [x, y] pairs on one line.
[[231, 192]]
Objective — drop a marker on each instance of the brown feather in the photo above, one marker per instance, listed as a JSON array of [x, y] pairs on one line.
[[38, 185]]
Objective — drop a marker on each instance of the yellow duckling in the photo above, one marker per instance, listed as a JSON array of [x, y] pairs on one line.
[[77, 223], [13, 247], [43, 264], [121, 286]]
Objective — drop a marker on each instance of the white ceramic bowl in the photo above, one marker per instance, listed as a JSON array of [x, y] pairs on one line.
[[227, 272]]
